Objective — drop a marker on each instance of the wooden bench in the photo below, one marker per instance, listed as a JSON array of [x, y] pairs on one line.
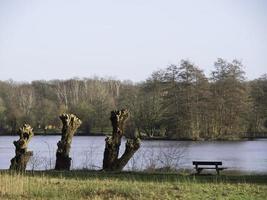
[[200, 165]]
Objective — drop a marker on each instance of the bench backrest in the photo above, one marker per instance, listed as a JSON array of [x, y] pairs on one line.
[[207, 163]]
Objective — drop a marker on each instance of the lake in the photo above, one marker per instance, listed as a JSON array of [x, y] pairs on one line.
[[87, 152]]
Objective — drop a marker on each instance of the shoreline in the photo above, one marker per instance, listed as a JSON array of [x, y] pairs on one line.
[[148, 138]]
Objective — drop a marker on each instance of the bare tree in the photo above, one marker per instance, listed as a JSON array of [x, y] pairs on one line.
[[111, 162], [19, 162], [70, 125]]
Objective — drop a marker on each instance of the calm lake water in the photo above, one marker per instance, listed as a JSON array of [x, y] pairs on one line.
[[87, 152]]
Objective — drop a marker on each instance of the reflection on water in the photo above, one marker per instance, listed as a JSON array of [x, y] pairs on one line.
[[87, 152]]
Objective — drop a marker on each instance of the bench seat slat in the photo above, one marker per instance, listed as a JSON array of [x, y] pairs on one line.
[[207, 163], [219, 168]]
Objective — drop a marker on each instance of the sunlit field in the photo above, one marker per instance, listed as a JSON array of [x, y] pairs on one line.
[[126, 185]]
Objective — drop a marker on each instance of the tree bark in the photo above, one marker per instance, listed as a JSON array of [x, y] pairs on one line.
[[111, 162], [19, 162], [70, 124]]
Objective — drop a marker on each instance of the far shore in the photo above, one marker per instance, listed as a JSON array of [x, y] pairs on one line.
[[148, 138]]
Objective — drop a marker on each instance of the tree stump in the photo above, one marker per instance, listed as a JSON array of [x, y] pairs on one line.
[[70, 124], [19, 162], [111, 162]]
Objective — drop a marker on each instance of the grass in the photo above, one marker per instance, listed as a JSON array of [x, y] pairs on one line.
[[129, 185]]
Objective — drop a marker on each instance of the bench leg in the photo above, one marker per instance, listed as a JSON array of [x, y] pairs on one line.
[[198, 171], [218, 172]]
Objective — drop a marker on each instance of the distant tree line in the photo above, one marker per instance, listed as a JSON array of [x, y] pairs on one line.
[[176, 102]]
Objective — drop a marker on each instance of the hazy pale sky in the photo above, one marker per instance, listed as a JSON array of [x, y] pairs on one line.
[[60, 39]]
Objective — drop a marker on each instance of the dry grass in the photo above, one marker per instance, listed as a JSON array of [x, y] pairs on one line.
[[96, 185]]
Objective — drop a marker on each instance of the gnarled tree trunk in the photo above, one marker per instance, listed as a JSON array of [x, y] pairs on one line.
[[70, 125], [111, 162], [19, 162]]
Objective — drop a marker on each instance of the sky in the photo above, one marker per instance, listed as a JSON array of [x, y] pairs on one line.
[[128, 40]]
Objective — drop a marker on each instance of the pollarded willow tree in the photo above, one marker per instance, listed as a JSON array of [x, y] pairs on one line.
[[70, 124], [111, 162], [19, 162]]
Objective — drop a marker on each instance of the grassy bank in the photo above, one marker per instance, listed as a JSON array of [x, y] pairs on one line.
[[99, 185]]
